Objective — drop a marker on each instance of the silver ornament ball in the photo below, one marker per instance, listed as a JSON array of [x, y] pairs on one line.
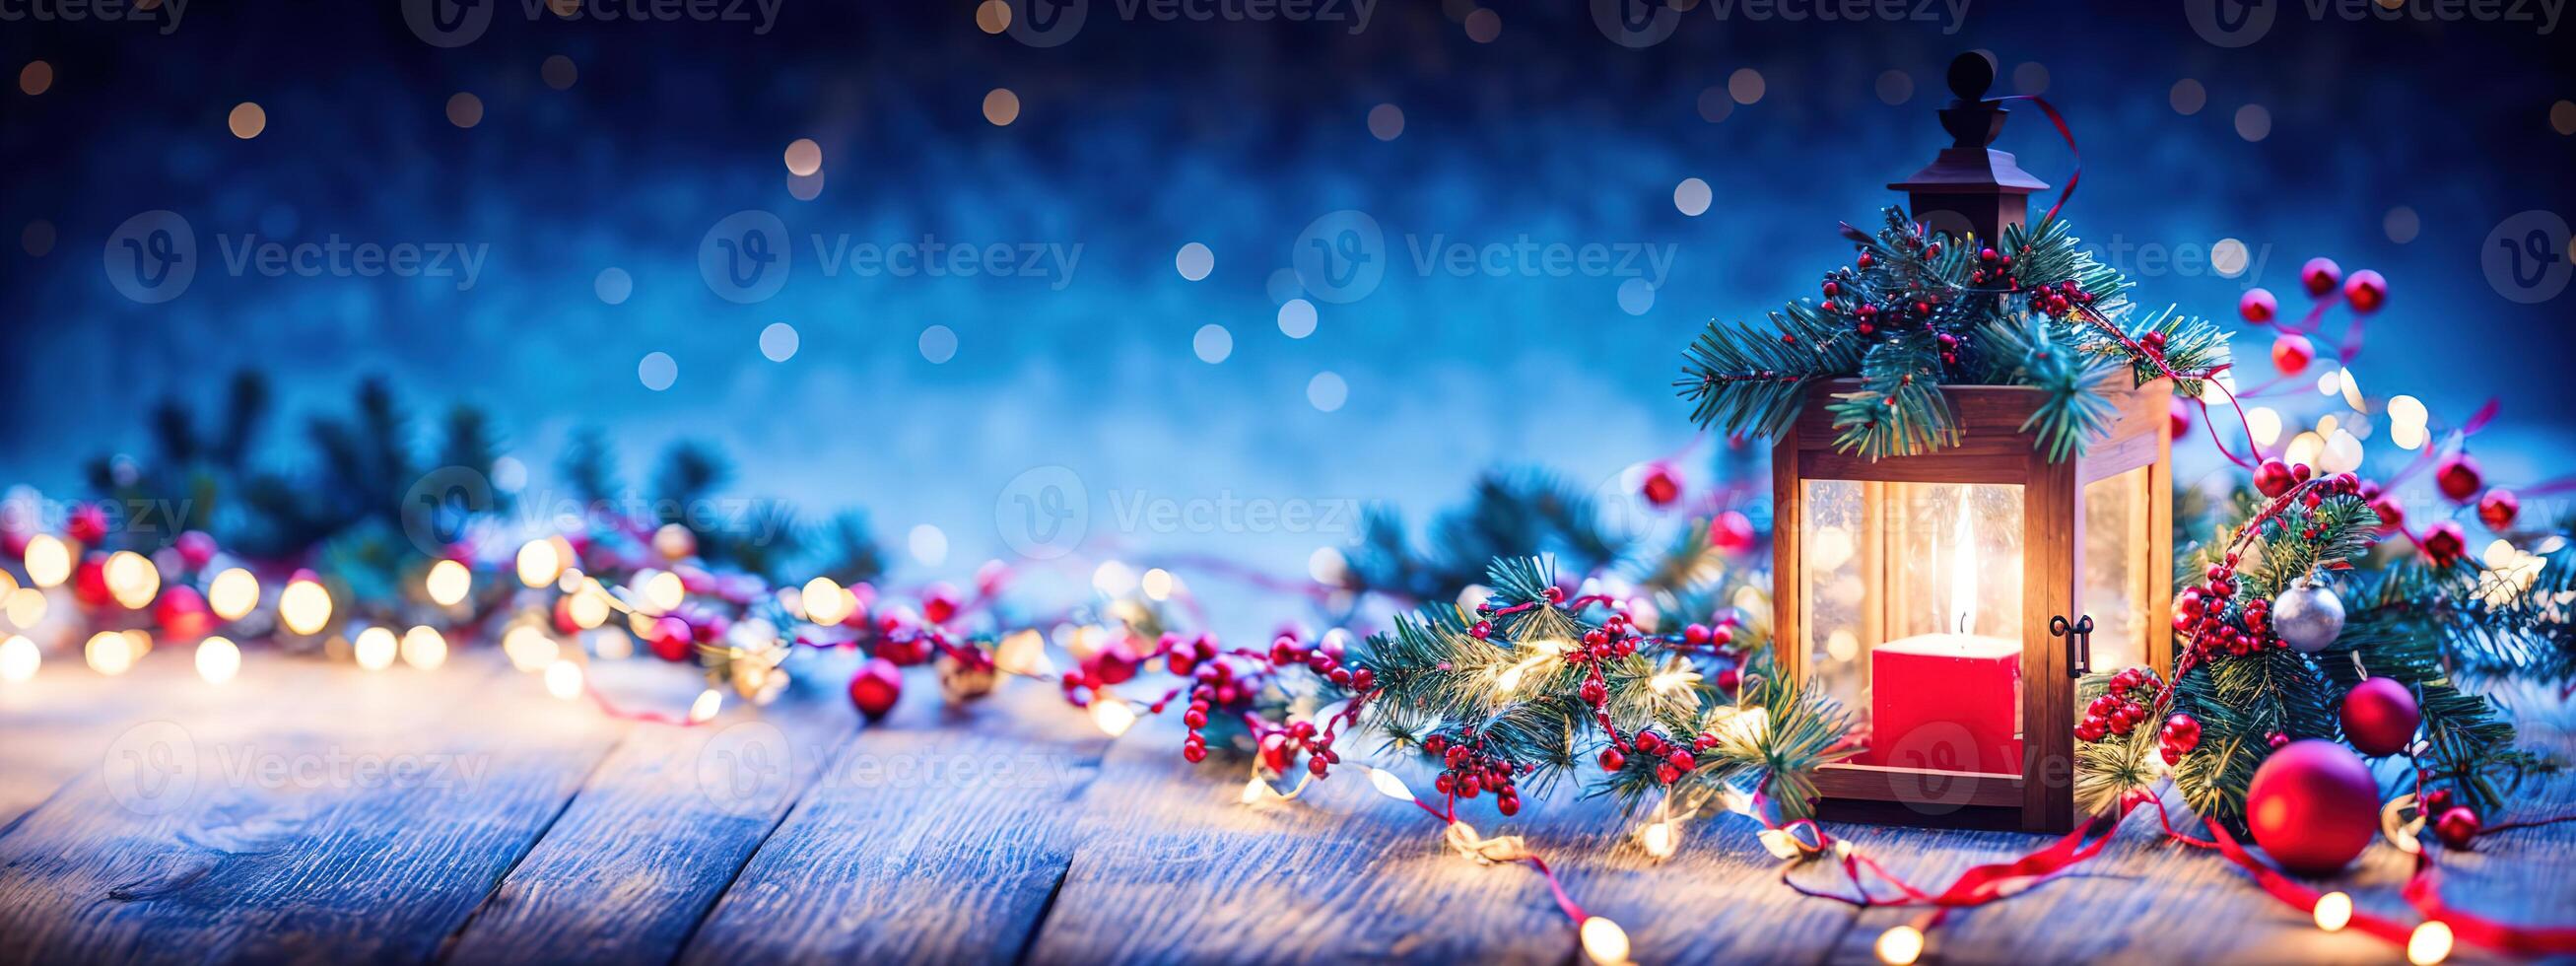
[[2307, 616]]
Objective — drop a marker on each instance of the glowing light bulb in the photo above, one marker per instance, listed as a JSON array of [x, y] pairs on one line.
[[2264, 423], [826, 603], [232, 594], [1387, 784], [132, 579], [1253, 791], [1022, 653], [424, 648], [27, 607], [109, 653], [662, 591], [1604, 941], [1660, 840], [1113, 716], [538, 563], [529, 649], [589, 608], [19, 658], [375, 648], [49, 562], [1900, 946], [217, 660], [1113, 579], [448, 583], [304, 606], [2430, 944], [563, 680], [2334, 910], [705, 707], [1157, 584]]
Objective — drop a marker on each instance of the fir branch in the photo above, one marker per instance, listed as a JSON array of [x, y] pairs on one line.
[[2033, 351], [1751, 382], [1899, 409]]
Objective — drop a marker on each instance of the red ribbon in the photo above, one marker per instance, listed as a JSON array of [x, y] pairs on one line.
[[2063, 131]]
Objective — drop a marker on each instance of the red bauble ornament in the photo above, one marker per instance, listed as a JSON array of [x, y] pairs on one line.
[[2180, 413], [2380, 716], [2366, 291], [1662, 487], [2498, 508], [89, 581], [1731, 533], [672, 639], [2313, 806], [2458, 477], [874, 688], [2445, 541], [182, 614], [2392, 514], [939, 604], [196, 549], [2320, 275], [2292, 353], [2458, 827], [2273, 478], [2258, 306], [87, 526]]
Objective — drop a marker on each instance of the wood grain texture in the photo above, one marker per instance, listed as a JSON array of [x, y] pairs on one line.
[[938, 835]]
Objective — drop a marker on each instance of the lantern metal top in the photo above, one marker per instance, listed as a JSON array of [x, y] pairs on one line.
[[1970, 188]]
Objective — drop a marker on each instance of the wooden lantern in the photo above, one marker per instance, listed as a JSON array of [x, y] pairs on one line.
[[1951, 600]]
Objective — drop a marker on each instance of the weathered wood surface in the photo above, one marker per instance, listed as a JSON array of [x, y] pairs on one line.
[[153, 818]]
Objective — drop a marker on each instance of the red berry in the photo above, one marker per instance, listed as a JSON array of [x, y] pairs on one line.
[[875, 687], [2458, 477], [1668, 774], [1612, 760], [2273, 478], [2445, 541], [2292, 353], [1729, 680], [2366, 291], [2457, 828], [2320, 275], [2498, 508], [1662, 487], [2258, 306]]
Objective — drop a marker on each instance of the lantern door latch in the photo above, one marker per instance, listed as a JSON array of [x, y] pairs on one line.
[[2079, 643]]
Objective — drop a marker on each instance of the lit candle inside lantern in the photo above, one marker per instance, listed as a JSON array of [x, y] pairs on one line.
[[1950, 700]]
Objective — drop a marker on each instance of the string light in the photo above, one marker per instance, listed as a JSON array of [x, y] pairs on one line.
[[1158, 584], [538, 563], [1387, 784], [218, 660], [424, 648], [375, 648], [705, 707], [109, 653], [2430, 944], [826, 602], [131, 579], [1113, 716], [27, 607], [1900, 946], [8, 585], [588, 607], [2334, 910], [1661, 839], [529, 649], [49, 563], [563, 680], [1604, 941], [232, 594], [19, 658], [662, 590], [448, 583], [1254, 791], [304, 607]]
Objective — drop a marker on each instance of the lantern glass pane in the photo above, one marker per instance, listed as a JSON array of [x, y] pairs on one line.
[[1912, 598], [2116, 542]]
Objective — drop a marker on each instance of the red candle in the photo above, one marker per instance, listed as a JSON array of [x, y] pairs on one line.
[[1950, 702]]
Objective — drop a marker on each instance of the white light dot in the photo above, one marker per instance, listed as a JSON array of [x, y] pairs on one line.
[[2228, 256], [1327, 391], [804, 157], [1895, 87], [2253, 122], [1386, 122], [2030, 78], [1195, 261], [1283, 285], [613, 286], [938, 344], [1715, 104], [2402, 224], [1745, 85], [805, 187], [778, 342], [929, 545], [657, 371], [1636, 296], [509, 474], [1212, 343], [1691, 196], [2187, 96], [1297, 319]]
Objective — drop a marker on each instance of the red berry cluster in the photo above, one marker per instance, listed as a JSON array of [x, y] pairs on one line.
[[2456, 825], [2121, 709], [2060, 300], [1469, 771], [2181, 735], [2201, 611]]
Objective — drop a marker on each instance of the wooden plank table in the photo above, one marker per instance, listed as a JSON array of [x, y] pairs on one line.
[[312, 812]]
